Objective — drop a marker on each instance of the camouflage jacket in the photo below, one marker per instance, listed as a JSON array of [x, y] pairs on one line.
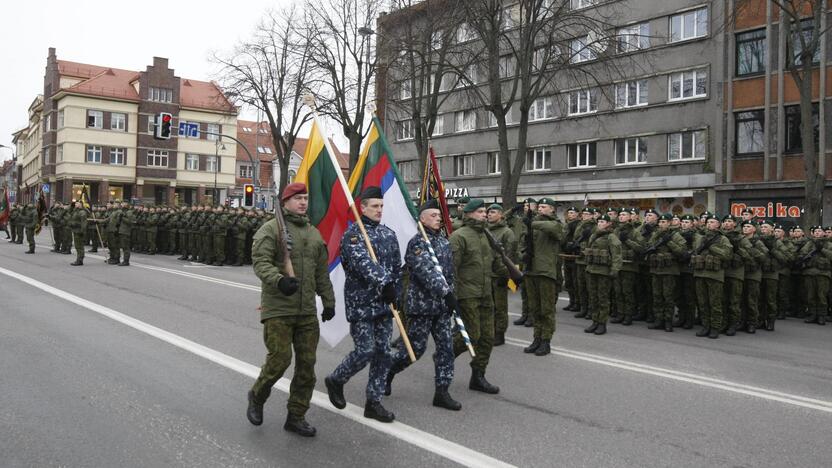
[[428, 285]]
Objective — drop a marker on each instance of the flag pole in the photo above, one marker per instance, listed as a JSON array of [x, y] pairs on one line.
[[95, 221], [309, 100]]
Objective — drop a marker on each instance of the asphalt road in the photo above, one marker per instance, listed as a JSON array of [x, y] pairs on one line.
[[149, 366]]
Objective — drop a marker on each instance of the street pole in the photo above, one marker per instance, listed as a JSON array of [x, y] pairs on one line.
[[216, 165]]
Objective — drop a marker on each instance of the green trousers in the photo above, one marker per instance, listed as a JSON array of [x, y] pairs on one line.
[[686, 299], [600, 294], [583, 292], [30, 237], [543, 298], [709, 299], [78, 243], [500, 296], [125, 244], [751, 301], [817, 287], [281, 335], [784, 294], [664, 291], [219, 247], [478, 316], [798, 299], [732, 297], [768, 294], [626, 290]]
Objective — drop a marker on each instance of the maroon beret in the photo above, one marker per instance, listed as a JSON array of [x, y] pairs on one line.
[[293, 189]]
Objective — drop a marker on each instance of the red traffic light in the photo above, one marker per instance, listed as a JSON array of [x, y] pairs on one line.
[[166, 118]]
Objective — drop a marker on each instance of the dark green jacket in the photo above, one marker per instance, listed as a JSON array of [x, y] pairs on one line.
[[759, 254], [632, 244], [603, 253], [309, 260], [821, 262], [548, 234], [474, 261], [505, 236], [709, 262], [77, 221], [582, 234], [665, 260], [735, 267], [126, 221], [221, 224]]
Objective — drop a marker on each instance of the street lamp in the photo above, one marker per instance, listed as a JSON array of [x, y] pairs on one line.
[[217, 148]]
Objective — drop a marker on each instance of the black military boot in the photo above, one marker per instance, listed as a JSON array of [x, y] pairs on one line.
[[532, 347], [479, 384], [77, 262], [751, 328], [112, 261], [601, 329], [591, 328], [520, 321], [374, 410], [124, 263], [627, 321], [30, 251], [705, 331], [657, 325], [94, 250], [499, 339], [529, 322], [731, 331], [544, 348], [254, 413], [299, 426], [617, 319], [238, 263], [336, 393], [581, 314], [678, 322], [668, 326], [182, 257], [688, 324], [442, 399], [770, 325], [713, 334]]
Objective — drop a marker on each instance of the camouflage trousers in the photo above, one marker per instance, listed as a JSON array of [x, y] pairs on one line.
[[645, 279], [732, 298], [500, 296], [570, 273], [419, 327], [219, 247], [686, 298], [20, 230], [581, 287], [817, 287], [30, 237], [750, 302], [543, 298], [600, 291], [150, 239], [281, 335], [709, 299], [57, 238], [112, 245], [478, 316], [626, 290], [784, 294], [78, 242], [798, 298], [768, 305], [664, 293], [240, 249], [372, 346], [66, 242], [124, 244]]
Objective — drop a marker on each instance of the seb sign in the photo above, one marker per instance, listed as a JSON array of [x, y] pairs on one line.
[[787, 208]]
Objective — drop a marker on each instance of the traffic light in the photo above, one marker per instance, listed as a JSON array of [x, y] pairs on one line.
[[163, 123], [248, 195]]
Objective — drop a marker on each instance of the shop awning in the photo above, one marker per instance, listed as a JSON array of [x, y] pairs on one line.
[[624, 195]]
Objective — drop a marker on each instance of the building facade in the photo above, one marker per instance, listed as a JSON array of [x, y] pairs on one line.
[[94, 129]]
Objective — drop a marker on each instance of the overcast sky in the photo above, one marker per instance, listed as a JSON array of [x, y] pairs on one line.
[[115, 34]]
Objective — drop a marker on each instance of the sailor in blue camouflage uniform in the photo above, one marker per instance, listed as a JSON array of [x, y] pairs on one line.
[[430, 302], [369, 290]]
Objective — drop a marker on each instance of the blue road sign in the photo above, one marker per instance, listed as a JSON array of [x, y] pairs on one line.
[[45, 188], [189, 129]]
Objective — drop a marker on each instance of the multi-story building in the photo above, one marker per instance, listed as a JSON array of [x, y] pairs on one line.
[[8, 178], [762, 105], [94, 128]]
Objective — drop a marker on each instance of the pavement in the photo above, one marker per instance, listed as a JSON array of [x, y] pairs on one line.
[[149, 365]]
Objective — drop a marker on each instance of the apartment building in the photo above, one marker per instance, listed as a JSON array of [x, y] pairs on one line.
[[763, 159], [647, 138], [94, 128]]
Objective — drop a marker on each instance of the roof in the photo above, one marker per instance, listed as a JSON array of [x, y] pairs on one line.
[[253, 138], [118, 83]]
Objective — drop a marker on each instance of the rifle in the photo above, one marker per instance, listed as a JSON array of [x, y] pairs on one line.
[[653, 248], [515, 274], [282, 243], [528, 256], [706, 244], [575, 246], [809, 256]]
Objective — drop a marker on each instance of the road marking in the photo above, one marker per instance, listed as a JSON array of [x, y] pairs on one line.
[[735, 387], [425, 440]]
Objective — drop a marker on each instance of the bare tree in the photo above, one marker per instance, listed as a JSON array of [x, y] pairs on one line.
[[340, 36], [804, 25], [269, 72]]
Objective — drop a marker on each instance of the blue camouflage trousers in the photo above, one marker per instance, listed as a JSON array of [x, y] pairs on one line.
[[419, 327], [372, 346]]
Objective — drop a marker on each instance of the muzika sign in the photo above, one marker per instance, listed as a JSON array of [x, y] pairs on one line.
[[772, 209]]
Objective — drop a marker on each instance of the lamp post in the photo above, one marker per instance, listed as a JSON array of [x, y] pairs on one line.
[[217, 148]]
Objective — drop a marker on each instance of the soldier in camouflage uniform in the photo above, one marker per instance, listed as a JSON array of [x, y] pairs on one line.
[[254, 223], [288, 311], [779, 255], [753, 277], [711, 250], [529, 210], [29, 219], [570, 270], [798, 286], [499, 287], [370, 289], [430, 303], [784, 274], [632, 246], [815, 260], [77, 224], [151, 230], [734, 274], [604, 261], [126, 223], [240, 232], [582, 234], [456, 221], [111, 228], [219, 230], [663, 251], [686, 289], [541, 275], [646, 229], [14, 216], [57, 217], [181, 232], [207, 236]]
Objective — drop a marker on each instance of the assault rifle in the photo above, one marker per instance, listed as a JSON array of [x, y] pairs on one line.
[[654, 248], [809, 256], [528, 255], [707, 243], [515, 274]]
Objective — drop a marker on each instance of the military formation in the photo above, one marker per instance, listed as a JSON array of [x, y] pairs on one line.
[[200, 233]]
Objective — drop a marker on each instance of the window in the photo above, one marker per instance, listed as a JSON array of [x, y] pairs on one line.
[[93, 154], [581, 155], [407, 169], [157, 158], [151, 124], [689, 84], [471, 74], [539, 159], [689, 25], [405, 130], [60, 154], [192, 162], [95, 119], [246, 129], [578, 4], [449, 81], [117, 156], [493, 163], [47, 124], [749, 132], [211, 163], [583, 102], [465, 33], [634, 38], [806, 30], [464, 165], [794, 137], [542, 108], [262, 131], [160, 94], [60, 119], [751, 52], [246, 171], [118, 121], [212, 128], [466, 121], [686, 145], [436, 39], [405, 89], [631, 150], [582, 51], [507, 66], [492, 119], [264, 150], [439, 126], [507, 19], [631, 93]]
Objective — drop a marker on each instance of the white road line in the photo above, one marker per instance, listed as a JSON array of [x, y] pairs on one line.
[[735, 387], [427, 441]]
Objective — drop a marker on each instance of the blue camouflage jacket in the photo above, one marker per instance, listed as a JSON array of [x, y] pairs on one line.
[[428, 286], [365, 278]]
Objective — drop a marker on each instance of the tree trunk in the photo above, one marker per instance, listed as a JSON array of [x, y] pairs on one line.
[[813, 203], [355, 148]]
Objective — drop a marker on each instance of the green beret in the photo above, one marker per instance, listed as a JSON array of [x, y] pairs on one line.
[[463, 200], [687, 217], [651, 210], [612, 208], [495, 206], [473, 205], [708, 215], [530, 200], [666, 217], [547, 201], [727, 217], [767, 221], [572, 208], [604, 218], [749, 223]]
